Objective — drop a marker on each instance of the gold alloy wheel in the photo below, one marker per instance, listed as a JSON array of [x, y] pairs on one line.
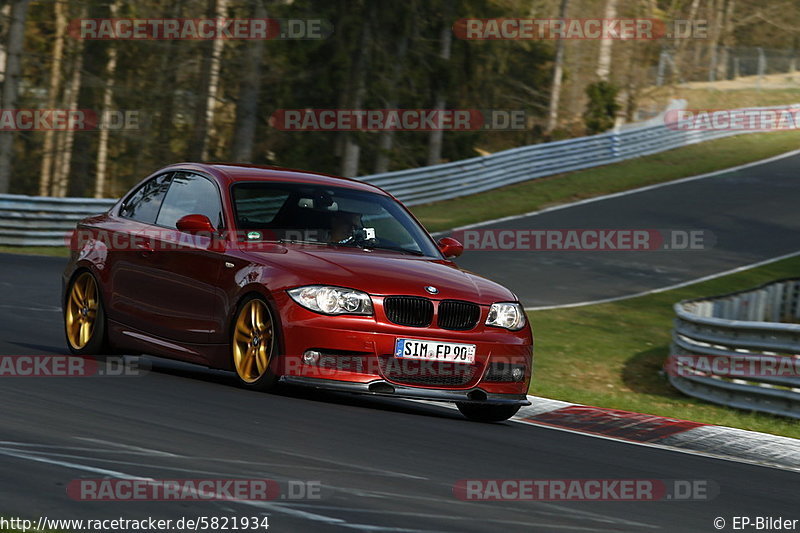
[[253, 341], [81, 316]]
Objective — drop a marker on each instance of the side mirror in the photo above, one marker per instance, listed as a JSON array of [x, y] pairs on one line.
[[450, 247], [196, 225]]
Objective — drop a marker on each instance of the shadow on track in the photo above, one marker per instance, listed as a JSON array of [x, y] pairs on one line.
[[220, 377]]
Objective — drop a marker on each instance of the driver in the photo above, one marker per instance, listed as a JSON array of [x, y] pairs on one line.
[[343, 225]]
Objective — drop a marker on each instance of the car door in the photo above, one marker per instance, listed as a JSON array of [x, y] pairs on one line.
[[129, 262], [185, 268]]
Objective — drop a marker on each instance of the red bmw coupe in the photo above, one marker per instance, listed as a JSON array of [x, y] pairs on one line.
[[290, 276]]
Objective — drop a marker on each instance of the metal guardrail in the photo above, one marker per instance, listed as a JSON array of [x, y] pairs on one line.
[[741, 349], [40, 221], [44, 221]]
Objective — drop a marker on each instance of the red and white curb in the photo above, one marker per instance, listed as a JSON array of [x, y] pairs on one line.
[[662, 432]]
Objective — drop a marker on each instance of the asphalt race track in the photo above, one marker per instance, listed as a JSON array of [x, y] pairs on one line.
[[751, 213], [387, 465]]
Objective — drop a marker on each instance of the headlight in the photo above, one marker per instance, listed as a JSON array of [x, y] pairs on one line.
[[506, 315], [332, 300]]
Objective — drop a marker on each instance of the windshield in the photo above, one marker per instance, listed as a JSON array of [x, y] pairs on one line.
[[334, 216]]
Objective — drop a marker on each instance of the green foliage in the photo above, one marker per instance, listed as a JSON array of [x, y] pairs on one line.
[[162, 81], [601, 108]]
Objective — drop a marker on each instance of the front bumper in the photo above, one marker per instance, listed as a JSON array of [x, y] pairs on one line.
[[381, 387], [362, 349]]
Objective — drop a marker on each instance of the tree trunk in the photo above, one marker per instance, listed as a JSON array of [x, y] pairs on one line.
[[64, 155], [445, 46], [386, 138], [46, 172], [351, 151], [680, 45], [165, 88], [108, 99], [5, 13], [16, 38], [204, 117], [726, 40], [606, 44], [247, 107], [717, 9], [558, 75]]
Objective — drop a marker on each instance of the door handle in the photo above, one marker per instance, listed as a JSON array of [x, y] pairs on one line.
[[145, 247]]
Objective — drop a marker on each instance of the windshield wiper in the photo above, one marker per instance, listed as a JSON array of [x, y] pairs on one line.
[[300, 241], [395, 249]]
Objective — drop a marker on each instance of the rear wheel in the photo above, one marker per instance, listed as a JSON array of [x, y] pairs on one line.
[[487, 412], [84, 317], [254, 344]]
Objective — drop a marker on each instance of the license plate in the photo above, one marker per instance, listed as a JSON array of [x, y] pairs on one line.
[[434, 351]]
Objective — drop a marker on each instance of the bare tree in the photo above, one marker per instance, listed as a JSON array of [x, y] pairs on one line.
[[46, 172], [247, 107], [726, 39], [386, 138], [445, 48], [204, 116], [5, 13], [67, 138], [351, 150], [108, 98], [606, 44], [717, 11], [558, 74], [16, 37]]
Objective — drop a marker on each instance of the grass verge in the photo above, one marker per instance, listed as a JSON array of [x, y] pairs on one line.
[[562, 188], [55, 251], [611, 354]]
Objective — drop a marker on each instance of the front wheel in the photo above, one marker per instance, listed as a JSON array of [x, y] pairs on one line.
[[481, 412], [84, 317], [254, 344]]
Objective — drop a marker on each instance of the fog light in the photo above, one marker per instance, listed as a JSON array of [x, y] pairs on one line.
[[310, 357], [517, 373]]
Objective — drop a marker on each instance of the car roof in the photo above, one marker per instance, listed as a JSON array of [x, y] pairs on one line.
[[229, 173]]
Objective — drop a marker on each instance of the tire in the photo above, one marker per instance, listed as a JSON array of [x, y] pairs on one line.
[[254, 344], [487, 412], [85, 317]]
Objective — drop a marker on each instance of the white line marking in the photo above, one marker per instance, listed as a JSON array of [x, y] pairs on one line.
[[66, 464], [669, 287], [128, 447], [626, 193], [470, 518], [664, 447], [123, 475]]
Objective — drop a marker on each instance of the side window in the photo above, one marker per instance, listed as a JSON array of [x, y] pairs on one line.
[[190, 194], [144, 204], [257, 206]]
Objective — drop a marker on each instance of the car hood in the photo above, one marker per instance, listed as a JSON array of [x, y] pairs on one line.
[[380, 273]]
